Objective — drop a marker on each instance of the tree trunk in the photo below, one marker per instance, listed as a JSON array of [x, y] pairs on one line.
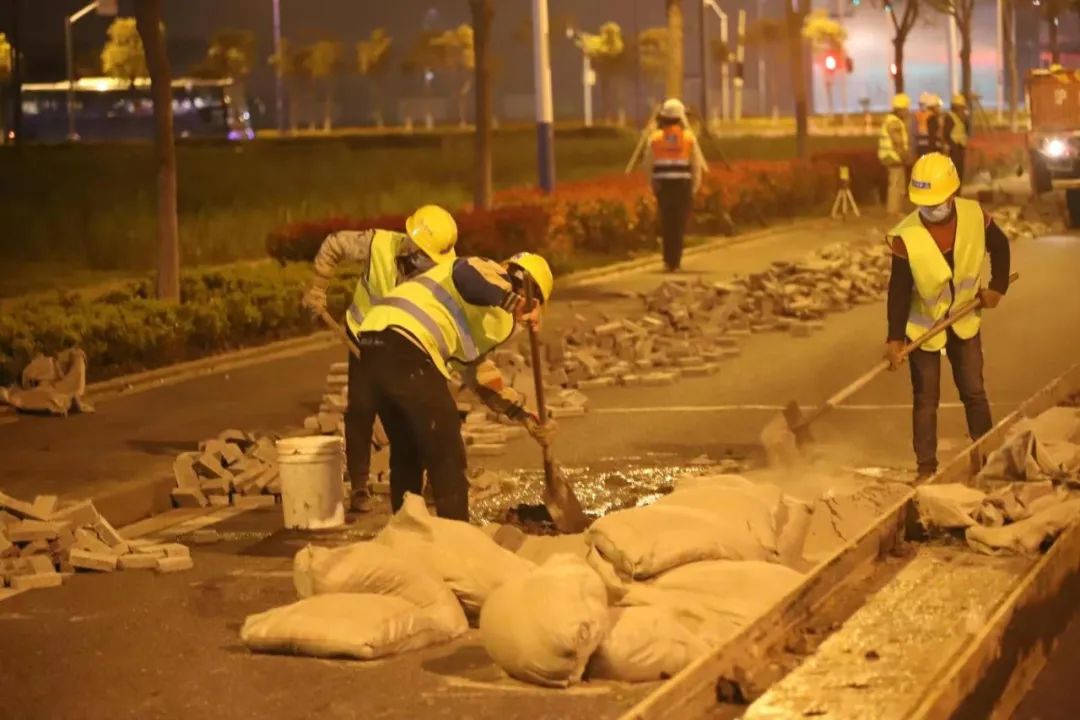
[[1008, 9], [965, 56], [898, 60], [798, 74], [482, 13], [148, 22], [1052, 39], [674, 83]]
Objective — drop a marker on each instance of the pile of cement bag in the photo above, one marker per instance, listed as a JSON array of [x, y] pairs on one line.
[[636, 598], [52, 386], [1029, 479]]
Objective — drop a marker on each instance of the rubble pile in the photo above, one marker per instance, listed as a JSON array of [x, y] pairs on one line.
[[40, 541], [1028, 222], [235, 468], [52, 386]]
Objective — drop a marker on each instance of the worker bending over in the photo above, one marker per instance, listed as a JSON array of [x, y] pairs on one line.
[[386, 259], [954, 134], [938, 253], [894, 149], [454, 314], [676, 166]]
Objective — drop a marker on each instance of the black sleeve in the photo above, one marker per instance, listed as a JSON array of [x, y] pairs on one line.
[[901, 285], [998, 247]]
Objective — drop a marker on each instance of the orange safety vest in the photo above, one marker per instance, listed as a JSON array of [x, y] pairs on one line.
[[672, 149]]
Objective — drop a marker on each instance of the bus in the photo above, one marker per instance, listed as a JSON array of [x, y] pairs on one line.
[[109, 109]]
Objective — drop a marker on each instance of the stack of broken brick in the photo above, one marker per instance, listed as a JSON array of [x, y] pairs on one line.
[[235, 468], [1034, 220], [40, 541]]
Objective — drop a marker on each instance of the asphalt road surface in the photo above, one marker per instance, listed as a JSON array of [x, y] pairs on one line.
[[139, 645]]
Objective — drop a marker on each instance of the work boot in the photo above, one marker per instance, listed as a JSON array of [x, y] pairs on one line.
[[361, 501]]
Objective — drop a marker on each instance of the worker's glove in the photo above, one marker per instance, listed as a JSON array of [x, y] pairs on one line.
[[315, 300], [990, 298], [542, 433], [894, 353]]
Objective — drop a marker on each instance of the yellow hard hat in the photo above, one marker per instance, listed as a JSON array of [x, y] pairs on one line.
[[959, 100], [434, 231], [538, 269], [933, 180], [901, 101]]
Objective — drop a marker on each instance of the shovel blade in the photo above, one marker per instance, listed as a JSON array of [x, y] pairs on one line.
[[561, 502], [796, 422]]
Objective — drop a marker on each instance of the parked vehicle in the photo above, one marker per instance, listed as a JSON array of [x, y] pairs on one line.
[[1054, 139]]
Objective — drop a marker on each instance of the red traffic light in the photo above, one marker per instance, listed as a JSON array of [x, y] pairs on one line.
[[830, 62]]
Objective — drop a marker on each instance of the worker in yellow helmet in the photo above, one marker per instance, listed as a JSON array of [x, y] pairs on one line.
[[894, 149], [938, 253], [448, 318], [954, 133], [676, 167], [386, 258]]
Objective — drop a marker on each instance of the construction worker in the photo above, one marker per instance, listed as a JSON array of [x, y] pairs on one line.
[[927, 124], [454, 314], [894, 148], [676, 167], [954, 133], [386, 259], [938, 253]]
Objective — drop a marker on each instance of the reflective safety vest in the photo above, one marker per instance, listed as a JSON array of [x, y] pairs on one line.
[[432, 311], [380, 279], [958, 135], [937, 288], [925, 139], [672, 149], [887, 151]]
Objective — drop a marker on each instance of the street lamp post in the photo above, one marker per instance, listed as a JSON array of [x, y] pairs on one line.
[[279, 95], [545, 148], [725, 67], [587, 75], [69, 21]]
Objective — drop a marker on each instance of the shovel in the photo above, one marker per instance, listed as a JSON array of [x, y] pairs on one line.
[[789, 430], [559, 498]]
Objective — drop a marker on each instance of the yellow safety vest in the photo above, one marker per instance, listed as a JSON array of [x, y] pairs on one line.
[[958, 136], [430, 309], [380, 279], [887, 151], [937, 288]]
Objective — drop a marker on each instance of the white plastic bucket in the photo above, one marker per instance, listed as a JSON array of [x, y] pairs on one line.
[[312, 490]]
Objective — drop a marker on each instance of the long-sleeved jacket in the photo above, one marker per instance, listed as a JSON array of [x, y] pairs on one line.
[[344, 246]]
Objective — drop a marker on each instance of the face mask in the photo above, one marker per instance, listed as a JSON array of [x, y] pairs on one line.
[[937, 213]]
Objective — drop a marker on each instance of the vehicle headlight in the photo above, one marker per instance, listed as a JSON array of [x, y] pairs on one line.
[[1055, 148]]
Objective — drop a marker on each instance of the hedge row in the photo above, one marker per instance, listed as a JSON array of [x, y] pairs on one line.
[[127, 330], [615, 215]]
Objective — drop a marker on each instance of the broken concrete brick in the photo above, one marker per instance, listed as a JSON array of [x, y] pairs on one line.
[[64, 540], [30, 530], [43, 506], [184, 470], [37, 547], [569, 411], [86, 539], [6, 546], [107, 532], [189, 498], [219, 486], [37, 581], [254, 502], [155, 550], [206, 536], [599, 382], [174, 564], [208, 465], [659, 378], [176, 550], [7, 519], [265, 450], [87, 560], [219, 500], [486, 449], [138, 561], [231, 453], [42, 564], [78, 515], [16, 507]]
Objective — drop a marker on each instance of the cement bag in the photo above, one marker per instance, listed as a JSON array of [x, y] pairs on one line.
[[793, 531], [1057, 425], [1023, 456], [644, 644], [343, 625], [950, 505], [1025, 536], [365, 567], [542, 626], [462, 555], [716, 599], [749, 516]]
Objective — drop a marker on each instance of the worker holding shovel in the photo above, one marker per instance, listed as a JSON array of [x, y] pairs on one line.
[[452, 315], [387, 258], [938, 256]]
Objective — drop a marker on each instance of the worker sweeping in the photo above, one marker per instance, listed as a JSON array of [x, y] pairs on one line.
[[894, 148], [386, 259], [938, 253], [954, 133], [452, 315], [928, 125], [676, 167]]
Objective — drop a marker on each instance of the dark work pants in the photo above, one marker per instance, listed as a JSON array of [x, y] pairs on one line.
[[673, 202], [956, 154], [359, 426], [966, 359], [421, 421]]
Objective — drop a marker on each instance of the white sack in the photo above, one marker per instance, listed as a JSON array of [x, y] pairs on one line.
[[466, 559], [1025, 536], [366, 567], [644, 644], [343, 625], [542, 626], [1058, 424], [950, 505]]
